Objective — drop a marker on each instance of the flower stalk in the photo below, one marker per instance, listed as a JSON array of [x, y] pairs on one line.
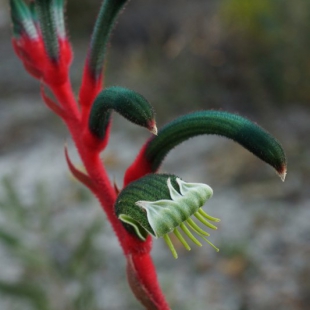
[[150, 204]]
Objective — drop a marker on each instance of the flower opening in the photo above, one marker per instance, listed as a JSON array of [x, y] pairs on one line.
[[168, 204]]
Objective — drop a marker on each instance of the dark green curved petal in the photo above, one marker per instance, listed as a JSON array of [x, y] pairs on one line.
[[131, 105], [241, 130]]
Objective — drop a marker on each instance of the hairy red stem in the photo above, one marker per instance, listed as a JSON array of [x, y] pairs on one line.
[[140, 269]]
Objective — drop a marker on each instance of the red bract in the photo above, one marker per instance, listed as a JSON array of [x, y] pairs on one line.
[[37, 62]]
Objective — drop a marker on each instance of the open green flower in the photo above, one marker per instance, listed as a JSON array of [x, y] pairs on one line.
[[158, 204]]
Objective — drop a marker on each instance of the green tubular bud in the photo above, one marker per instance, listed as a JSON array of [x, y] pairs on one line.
[[159, 203], [22, 19], [101, 33], [131, 105], [241, 130], [32, 8], [59, 18], [46, 15]]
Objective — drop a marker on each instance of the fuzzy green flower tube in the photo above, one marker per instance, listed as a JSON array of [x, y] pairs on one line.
[[58, 10], [241, 130], [131, 105], [232, 126], [22, 20], [93, 77], [46, 15], [104, 24]]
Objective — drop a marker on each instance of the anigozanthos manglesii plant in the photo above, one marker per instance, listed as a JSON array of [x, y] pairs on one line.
[[158, 204], [150, 204]]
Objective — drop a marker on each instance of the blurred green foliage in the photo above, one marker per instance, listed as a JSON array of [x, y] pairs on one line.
[[269, 41], [240, 55], [49, 257]]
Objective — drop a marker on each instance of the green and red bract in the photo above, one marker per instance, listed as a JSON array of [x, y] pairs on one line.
[[40, 40]]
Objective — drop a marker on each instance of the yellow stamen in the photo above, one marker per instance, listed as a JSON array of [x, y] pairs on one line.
[[170, 246], [182, 240], [196, 228], [189, 234], [208, 217], [202, 220]]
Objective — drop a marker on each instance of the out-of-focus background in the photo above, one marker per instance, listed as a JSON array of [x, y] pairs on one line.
[[57, 251]]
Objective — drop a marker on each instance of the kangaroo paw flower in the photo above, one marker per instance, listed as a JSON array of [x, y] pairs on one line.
[[249, 135], [27, 41], [40, 39], [94, 64], [126, 102], [100, 36], [23, 22], [150, 204], [158, 204], [45, 11]]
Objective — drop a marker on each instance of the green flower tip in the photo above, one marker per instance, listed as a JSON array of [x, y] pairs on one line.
[[50, 16], [282, 173], [159, 204], [22, 19]]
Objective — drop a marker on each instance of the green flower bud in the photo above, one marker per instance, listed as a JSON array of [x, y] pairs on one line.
[[241, 130], [59, 18], [22, 20], [104, 24], [128, 103], [158, 204], [51, 20]]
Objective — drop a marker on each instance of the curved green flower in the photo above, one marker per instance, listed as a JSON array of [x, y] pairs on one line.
[[128, 103], [239, 129]]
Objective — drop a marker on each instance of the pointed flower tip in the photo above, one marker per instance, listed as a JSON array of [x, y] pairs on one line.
[[152, 127], [282, 173]]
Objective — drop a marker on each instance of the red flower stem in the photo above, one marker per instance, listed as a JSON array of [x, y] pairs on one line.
[[137, 252], [65, 97]]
